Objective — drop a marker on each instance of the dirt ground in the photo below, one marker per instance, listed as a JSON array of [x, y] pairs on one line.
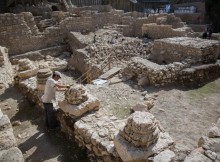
[[186, 114]]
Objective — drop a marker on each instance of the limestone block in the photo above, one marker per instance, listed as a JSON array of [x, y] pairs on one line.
[[26, 69], [196, 156], [7, 140], [5, 123], [76, 94], [1, 114], [11, 155], [165, 156], [214, 132], [77, 110], [212, 144], [128, 152], [28, 73]]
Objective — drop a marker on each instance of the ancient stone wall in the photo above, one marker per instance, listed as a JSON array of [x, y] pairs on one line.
[[19, 34], [149, 73], [190, 50]]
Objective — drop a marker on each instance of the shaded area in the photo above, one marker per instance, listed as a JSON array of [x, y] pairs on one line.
[[33, 140]]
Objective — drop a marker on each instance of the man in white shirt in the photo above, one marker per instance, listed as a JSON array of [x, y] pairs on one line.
[[49, 98]]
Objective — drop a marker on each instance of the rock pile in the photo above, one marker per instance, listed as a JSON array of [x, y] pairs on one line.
[[141, 138], [42, 76], [26, 69], [211, 143], [77, 101], [8, 145]]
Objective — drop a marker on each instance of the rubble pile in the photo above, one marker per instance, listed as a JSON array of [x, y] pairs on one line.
[[8, 146]]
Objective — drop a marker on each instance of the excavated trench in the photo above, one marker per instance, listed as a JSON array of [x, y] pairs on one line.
[[33, 140]]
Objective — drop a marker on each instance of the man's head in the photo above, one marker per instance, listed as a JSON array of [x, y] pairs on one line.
[[56, 75]]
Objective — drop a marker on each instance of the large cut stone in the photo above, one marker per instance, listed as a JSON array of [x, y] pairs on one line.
[[7, 140], [196, 156], [212, 144], [11, 155], [77, 110], [5, 123], [128, 152], [165, 156]]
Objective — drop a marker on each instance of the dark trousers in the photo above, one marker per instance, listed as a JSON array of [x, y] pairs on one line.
[[50, 116]]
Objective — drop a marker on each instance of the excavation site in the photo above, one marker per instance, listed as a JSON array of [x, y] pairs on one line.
[[109, 81]]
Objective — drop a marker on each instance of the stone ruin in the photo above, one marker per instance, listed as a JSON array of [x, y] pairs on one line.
[[166, 26], [96, 42], [8, 145], [42, 76], [26, 69], [141, 138], [77, 101]]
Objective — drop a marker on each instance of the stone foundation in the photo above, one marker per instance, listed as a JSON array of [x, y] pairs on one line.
[[190, 50], [149, 73]]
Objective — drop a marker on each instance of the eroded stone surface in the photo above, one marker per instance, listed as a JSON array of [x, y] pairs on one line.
[[76, 94], [26, 69], [165, 156], [196, 156], [141, 138], [11, 155]]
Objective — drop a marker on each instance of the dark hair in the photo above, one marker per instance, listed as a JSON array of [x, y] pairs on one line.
[[54, 75]]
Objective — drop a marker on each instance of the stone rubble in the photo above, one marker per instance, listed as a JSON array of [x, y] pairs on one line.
[[8, 145]]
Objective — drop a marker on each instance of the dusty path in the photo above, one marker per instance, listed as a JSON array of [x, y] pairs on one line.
[[35, 144]]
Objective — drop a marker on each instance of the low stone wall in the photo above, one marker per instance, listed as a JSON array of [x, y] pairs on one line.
[[155, 31], [190, 50], [149, 73], [8, 144]]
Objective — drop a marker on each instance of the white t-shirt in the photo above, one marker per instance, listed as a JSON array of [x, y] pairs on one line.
[[49, 91]]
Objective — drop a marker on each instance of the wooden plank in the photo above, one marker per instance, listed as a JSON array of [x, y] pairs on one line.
[[109, 74]]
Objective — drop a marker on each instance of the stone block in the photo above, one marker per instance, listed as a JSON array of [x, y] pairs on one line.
[[77, 110], [7, 140], [165, 156], [129, 152], [196, 156], [11, 155], [5, 123]]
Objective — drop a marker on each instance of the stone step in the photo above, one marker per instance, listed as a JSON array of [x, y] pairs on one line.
[[12, 154], [109, 74], [7, 140], [5, 123]]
